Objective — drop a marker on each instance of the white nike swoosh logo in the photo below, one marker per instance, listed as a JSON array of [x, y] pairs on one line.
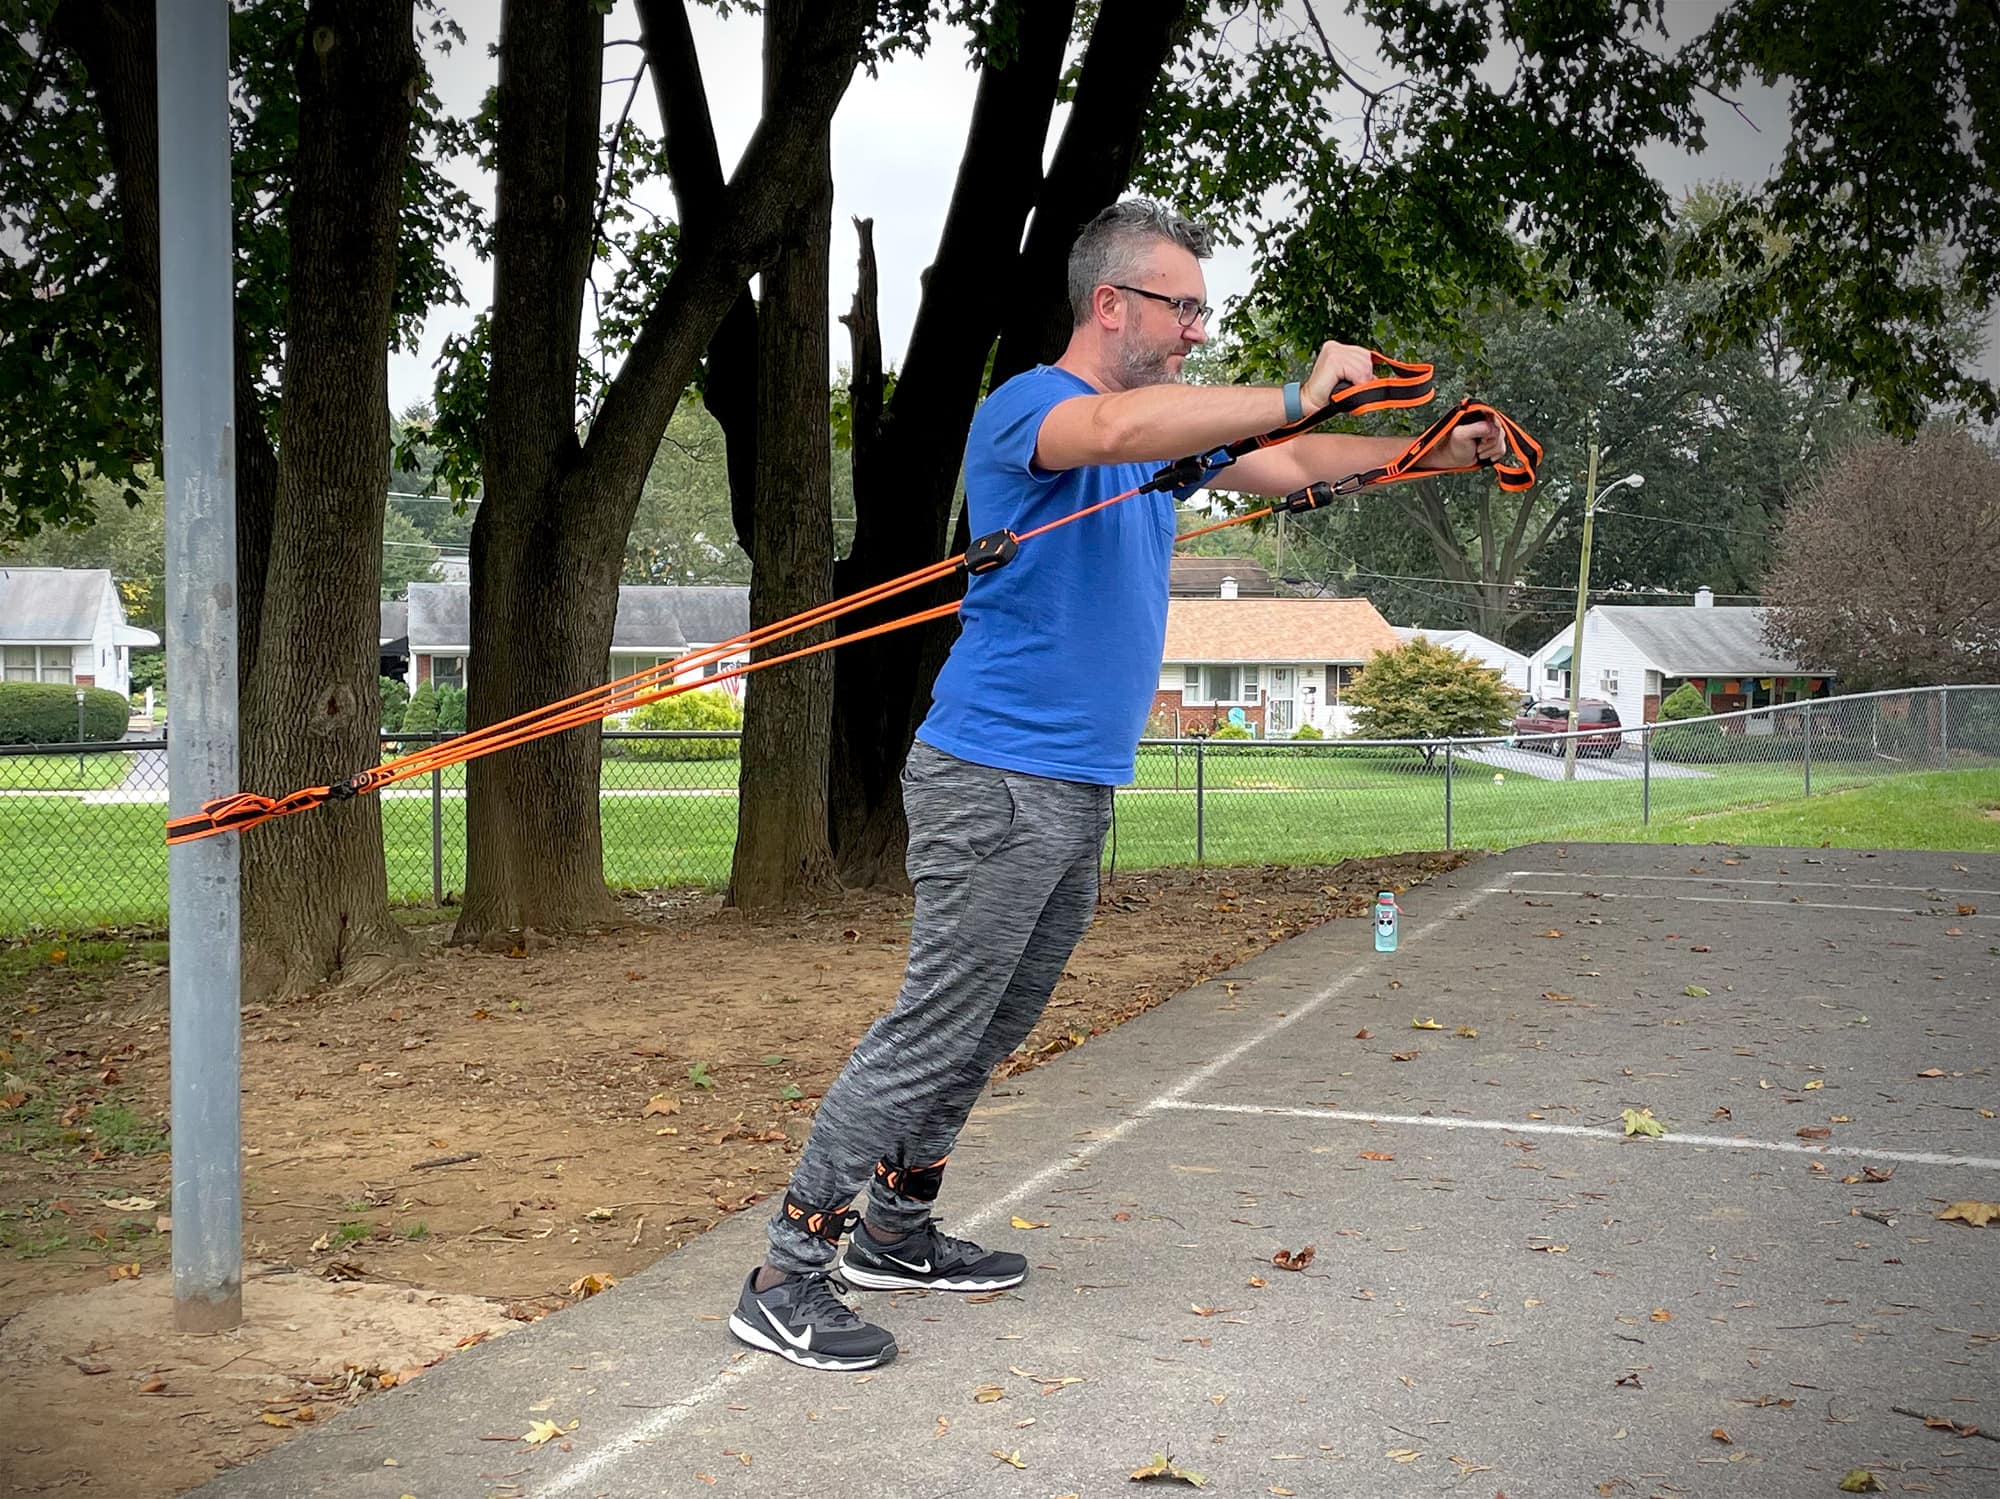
[[803, 1341], [921, 1269]]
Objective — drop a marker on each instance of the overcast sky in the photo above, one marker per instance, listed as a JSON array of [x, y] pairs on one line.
[[896, 143]]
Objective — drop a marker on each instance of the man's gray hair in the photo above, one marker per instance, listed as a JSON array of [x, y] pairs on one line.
[[1112, 245]]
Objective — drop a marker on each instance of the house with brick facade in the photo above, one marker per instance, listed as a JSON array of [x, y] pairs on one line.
[[1282, 662]]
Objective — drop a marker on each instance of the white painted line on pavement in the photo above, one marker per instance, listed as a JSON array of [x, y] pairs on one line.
[[1590, 1132], [1732, 879], [1738, 900], [648, 1430]]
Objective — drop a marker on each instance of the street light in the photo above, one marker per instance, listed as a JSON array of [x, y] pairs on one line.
[[1591, 499]]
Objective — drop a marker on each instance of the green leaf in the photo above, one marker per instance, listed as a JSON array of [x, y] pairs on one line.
[[1695, 991], [791, 1093], [1642, 1122], [698, 1075], [1859, 1481]]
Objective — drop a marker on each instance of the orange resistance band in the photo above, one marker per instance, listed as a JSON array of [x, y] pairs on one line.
[[1409, 385]]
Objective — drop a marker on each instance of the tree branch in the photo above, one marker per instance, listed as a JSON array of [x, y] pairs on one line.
[[864, 391]]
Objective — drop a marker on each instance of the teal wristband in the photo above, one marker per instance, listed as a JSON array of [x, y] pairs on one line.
[[1294, 409]]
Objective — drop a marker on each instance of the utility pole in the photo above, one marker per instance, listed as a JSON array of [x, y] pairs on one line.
[[1582, 600], [1591, 499]]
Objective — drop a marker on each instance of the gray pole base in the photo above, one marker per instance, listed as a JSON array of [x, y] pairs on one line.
[[204, 1314]]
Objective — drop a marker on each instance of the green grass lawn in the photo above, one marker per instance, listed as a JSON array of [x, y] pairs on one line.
[[61, 773], [67, 864]]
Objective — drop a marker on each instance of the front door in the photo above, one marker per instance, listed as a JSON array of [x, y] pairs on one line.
[[1278, 709]]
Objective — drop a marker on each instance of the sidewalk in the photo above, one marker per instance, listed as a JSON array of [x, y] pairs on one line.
[[1506, 1294]]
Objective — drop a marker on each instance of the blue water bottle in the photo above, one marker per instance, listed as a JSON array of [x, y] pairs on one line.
[[1385, 921]]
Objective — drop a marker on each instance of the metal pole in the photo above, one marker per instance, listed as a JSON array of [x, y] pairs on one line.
[[1200, 833], [437, 838], [1447, 795], [1808, 747], [1646, 774], [1576, 635], [197, 383], [1944, 716], [79, 734]]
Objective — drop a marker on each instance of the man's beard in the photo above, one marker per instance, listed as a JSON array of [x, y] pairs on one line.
[[1139, 365]]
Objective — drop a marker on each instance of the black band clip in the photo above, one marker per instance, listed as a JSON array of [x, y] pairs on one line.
[[990, 552]]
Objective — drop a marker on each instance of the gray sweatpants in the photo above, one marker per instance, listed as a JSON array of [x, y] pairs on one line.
[[1005, 869]]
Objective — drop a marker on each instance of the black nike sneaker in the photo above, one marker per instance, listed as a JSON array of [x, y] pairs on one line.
[[801, 1319], [928, 1260]]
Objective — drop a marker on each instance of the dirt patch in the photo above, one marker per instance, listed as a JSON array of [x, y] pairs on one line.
[[470, 1142]]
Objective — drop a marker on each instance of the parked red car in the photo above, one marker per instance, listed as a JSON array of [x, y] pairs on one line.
[[1540, 725]]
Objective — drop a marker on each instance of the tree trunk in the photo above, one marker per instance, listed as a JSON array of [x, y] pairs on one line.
[[906, 472], [315, 893], [315, 896], [544, 547], [549, 542], [781, 827]]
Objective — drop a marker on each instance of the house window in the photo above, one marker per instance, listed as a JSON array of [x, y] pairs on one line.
[[30, 663], [1209, 685], [1608, 684], [625, 665], [448, 671]]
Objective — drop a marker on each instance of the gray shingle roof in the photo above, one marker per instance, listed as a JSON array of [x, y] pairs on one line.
[[395, 620], [52, 605], [670, 618], [1685, 642]]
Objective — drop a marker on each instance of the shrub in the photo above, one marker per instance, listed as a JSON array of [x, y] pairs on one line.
[[395, 698], [1695, 742], [704, 708], [1424, 690], [45, 713], [1307, 731], [451, 709], [421, 717], [149, 669], [1231, 731]]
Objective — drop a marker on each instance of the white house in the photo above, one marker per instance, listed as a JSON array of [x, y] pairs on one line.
[[1514, 668], [653, 625], [1282, 662], [65, 624], [1636, 654]]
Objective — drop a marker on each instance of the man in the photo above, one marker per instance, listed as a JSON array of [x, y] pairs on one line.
[[1036, 716]]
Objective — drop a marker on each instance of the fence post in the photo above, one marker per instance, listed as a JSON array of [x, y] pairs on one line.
[[1200, 782], [1808, 746], [1646, 732], [1944, 731], [437, 838], [1447, 796]]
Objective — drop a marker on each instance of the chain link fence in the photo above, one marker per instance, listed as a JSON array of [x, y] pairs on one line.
[[82, 839]]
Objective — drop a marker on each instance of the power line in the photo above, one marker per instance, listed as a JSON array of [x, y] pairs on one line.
[[1668, 520]]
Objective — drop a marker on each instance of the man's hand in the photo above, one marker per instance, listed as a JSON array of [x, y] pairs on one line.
[[1469, 443], [1337, 365]]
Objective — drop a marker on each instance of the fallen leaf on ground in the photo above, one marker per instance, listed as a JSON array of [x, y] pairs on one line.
[[1642, 1122], [1019, 1222], [1162, 1468], [1721, 1436], [1376, 1155], [1557, 998], [1203, 1311], [1426, 1024], [1964, 910], [589, 1285], [1551, 932], [1284, 1259], [986, 1394], [544, 1431], [1362, 1034], [1930, 1072], [1859, 1481], [1402, 1454], [1661, 1314], [660, 1103], [125, 1272], [1815, 1083], [1815, 1132], [1550, 1248], [1404, 1056], [1978, 1214], [1011, 1459], [1695, 991], [1258, 1282], [1466, 1033], [270, 1420], [131, 1204]]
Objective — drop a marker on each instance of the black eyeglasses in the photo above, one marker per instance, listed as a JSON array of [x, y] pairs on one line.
[[1187, 309]]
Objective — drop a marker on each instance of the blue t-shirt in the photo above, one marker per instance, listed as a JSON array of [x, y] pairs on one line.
[[1058, 654]]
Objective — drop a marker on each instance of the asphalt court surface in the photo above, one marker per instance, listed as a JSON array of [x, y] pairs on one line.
[[1506, 1294]]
